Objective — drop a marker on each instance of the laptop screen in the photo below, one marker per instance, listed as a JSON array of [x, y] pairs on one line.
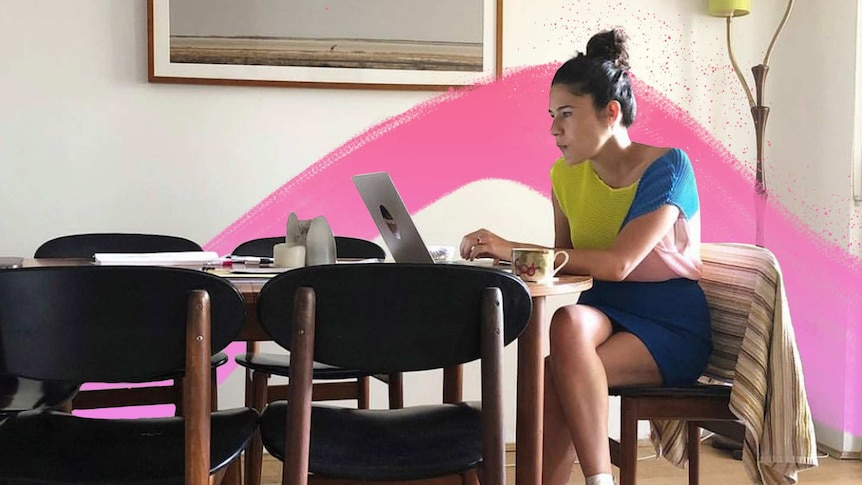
[[391, 217]]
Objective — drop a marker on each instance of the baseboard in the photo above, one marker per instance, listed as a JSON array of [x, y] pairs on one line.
[[838, 443], [838, 454], [510, 455]]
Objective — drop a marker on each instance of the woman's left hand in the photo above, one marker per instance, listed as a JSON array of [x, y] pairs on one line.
[[485, 244]]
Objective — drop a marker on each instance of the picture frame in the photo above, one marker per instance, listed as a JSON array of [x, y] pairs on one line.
[[274, 47]]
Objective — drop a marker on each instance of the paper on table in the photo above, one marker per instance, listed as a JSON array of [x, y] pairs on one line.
[[259, 270], [157, 259]]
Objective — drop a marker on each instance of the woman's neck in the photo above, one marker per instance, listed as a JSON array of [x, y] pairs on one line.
[[621, 162], [618, 152]]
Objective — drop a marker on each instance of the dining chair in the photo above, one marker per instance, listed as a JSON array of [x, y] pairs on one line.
[[384, 318], [339, 383], [85, 246], [79, 324], [18, 394], [751, 331]]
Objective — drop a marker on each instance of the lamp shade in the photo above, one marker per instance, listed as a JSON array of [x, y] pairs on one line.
[[729, 8]]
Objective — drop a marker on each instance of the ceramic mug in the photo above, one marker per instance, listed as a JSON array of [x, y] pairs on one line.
[[536, 264]]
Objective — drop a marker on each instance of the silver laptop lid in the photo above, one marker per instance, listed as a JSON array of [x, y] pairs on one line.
[[391, 217]]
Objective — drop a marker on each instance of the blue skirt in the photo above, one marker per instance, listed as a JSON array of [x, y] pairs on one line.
[[670, 317]]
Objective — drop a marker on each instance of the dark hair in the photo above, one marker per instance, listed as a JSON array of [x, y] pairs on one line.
[[603, 73]]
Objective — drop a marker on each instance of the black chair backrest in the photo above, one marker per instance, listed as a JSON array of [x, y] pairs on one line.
[[345, 247], [106, 324], [86, 245], [393, 317]]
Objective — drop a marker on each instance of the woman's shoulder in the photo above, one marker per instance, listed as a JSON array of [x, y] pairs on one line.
[[671, 160]]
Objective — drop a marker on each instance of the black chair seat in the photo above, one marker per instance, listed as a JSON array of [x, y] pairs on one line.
[[382, 444], [18, 394], [696, 390], [279, 365], [39, 446], [217, 360]]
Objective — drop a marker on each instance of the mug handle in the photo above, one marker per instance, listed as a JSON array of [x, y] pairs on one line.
[[565, 260]]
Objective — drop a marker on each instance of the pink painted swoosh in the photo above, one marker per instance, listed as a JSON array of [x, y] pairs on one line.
[[500, 130]]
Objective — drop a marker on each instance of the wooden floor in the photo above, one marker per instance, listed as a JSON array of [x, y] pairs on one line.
[[717, 468]]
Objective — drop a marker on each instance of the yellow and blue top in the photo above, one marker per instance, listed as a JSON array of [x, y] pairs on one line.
[[597, 212]]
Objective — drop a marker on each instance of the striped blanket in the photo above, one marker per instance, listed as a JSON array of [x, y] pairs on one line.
[[755, 351]]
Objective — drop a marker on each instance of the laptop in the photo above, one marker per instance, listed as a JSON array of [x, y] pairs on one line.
[[392, 219], [396, 225]]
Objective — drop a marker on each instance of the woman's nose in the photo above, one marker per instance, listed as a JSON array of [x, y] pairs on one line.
[[555, 129]]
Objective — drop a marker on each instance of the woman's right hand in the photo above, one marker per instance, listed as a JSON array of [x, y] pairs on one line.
[[485, 244]]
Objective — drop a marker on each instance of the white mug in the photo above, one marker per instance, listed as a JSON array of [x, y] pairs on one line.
[[536, 264]]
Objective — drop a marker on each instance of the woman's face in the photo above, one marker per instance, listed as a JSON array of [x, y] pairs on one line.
[[578, 129]]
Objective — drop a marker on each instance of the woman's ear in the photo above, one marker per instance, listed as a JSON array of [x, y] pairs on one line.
[[613, 112]]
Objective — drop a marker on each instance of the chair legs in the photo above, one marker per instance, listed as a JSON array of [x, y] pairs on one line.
[[233, 473], [396, 390], [254, 452], [693, 453], [628, 445], [628, 442], [363, 390]]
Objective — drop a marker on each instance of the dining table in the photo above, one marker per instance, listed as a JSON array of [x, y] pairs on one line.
[[530, 365]]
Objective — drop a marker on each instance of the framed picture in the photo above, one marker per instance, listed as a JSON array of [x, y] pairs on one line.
[[360, 44]]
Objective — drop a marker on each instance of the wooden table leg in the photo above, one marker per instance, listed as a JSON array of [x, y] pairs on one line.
[[531, 389]]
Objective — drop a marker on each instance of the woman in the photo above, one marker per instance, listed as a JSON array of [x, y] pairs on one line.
[[627, 214]]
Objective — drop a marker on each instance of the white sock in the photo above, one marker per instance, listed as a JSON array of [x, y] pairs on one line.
[[601, 479]]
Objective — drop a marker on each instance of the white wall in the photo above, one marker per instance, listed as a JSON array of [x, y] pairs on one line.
[[86, 144]]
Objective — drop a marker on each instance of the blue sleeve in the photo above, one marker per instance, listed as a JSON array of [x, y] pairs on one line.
[[668, 180]]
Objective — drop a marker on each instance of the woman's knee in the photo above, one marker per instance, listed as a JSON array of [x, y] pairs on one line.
[[574, 326]]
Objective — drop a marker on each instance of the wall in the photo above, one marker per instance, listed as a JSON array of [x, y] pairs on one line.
[[86, 144]]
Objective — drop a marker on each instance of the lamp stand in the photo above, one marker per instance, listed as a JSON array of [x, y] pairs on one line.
[[759, 114]]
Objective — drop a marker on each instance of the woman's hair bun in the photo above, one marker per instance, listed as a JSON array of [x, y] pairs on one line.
[[610, 45]]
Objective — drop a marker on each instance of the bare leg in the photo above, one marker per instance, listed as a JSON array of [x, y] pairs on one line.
[[585, 360], [558, 453], [579, 390]]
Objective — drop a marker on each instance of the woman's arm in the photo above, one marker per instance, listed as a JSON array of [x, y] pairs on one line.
[[632, 245], [562, 231]]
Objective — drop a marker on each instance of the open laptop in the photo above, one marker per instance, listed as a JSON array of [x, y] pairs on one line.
[[395, 223], [392, 219]]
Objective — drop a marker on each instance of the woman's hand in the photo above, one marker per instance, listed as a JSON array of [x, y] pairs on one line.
[[485, 244]]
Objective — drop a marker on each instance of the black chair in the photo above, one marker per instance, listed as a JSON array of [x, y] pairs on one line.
[[80, 324], [384, 318], [260, 366], [85, 246], [18, 394]]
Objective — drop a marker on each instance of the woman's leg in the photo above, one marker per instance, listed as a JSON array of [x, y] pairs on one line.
[[585, 360], [575, 393], [558, 454]]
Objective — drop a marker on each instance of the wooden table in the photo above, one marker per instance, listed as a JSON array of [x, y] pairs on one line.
[[531, 369]]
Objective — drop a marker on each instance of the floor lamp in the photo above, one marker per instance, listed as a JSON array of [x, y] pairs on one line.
[[737, 8]]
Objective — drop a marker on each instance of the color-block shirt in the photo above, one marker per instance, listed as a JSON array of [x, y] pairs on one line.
[[597, 212]]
